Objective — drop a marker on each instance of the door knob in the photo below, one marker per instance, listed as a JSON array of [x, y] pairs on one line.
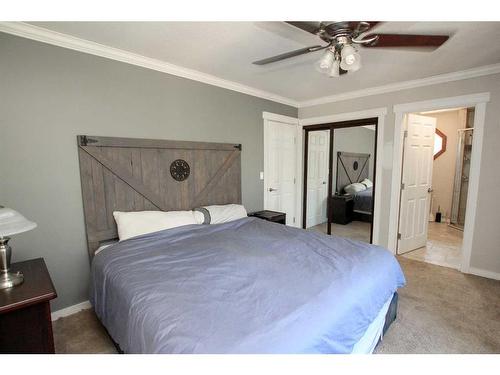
[[430, 190], [324, 182], [271, 189]]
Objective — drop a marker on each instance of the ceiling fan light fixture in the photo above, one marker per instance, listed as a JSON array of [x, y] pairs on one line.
[[351, 60], [324, 64]]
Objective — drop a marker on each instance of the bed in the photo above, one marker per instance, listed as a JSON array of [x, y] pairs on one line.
[[352, 168], [246, 286]]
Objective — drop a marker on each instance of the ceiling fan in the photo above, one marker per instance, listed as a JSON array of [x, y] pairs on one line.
[[341, 55]]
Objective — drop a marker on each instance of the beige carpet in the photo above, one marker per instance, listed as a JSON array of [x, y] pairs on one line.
[[355, 230], [440, 311]]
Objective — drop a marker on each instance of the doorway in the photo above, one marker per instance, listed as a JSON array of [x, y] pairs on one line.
[[339, 178], [437, 150]]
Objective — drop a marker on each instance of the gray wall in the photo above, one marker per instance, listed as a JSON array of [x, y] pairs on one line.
[[50, 94], [486, 239]]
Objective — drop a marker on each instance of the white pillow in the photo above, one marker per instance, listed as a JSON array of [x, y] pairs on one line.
[[367, 183], [221, 213], [354, 188], [132, 224]]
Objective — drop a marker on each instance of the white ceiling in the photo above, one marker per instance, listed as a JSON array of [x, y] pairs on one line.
[[227, 49]]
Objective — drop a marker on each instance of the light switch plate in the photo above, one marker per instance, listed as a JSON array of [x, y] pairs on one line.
[[261, 175]]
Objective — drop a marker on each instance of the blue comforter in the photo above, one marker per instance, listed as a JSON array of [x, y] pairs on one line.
[[248, 286], [363, 201]]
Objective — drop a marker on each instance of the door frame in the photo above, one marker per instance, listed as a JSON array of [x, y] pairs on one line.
[[478, 101], [380, 113], [331, 127], [292, 121]]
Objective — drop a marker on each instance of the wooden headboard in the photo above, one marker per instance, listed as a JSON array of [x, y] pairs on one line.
[[351, 167], [128, 174]]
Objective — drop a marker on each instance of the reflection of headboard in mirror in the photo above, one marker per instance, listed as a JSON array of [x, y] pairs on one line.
[[351, 168], [127, 174]]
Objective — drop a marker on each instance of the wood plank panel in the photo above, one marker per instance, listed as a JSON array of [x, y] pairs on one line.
[[150, 163], [137, 173], [99, 196], [109, 188], [152, 143]]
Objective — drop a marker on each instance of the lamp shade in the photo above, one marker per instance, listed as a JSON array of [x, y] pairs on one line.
[[12, 222], [335, 70], [324, 64], [351, 60]]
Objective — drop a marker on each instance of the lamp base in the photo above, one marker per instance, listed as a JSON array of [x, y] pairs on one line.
[[10, 279]]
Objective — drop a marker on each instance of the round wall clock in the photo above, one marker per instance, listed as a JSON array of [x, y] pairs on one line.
[[179, 170]]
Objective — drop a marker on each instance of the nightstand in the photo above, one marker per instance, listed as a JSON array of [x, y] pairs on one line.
[[274, 216], [25, 321], [341, 207]]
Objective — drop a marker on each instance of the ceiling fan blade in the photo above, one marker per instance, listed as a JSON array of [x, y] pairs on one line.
[[309, 26], [406, 40], [287, 55]]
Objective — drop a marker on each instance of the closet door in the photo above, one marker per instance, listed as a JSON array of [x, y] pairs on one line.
[[280, 169], [317, 177]]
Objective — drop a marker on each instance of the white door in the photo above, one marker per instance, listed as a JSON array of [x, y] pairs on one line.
[[280, 168], [317, 177], [416, 182]]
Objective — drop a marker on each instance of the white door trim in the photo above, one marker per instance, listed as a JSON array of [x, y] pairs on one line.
[[280, 118], [268, 116], [475, 100], [380, 113]]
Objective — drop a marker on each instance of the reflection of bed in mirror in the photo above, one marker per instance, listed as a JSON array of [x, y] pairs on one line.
[[352, 178]]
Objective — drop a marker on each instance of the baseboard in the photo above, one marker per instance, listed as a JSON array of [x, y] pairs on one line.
[[70, 310], [484, 273]]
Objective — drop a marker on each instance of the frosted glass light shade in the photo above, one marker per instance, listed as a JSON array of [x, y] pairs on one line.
[[12, 222], [351, 60], [335, 70], [325, 63]]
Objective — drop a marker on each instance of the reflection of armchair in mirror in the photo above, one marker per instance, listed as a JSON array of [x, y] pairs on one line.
[[439, 143]]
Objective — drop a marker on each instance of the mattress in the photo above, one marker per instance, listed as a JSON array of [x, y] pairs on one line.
[[249, 286], [373, 334]]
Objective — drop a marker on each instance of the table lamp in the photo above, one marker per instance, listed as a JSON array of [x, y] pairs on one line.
[[11, 222]]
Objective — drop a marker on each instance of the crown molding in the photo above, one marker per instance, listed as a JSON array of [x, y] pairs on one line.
[[66, 41], [405, 85]]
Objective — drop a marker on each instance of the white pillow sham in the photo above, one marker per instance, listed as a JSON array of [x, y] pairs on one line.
[[218, 214], [367, 183], [132, 224], [354, 188]]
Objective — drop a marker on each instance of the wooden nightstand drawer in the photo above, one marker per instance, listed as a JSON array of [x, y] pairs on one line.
[[25, 321]]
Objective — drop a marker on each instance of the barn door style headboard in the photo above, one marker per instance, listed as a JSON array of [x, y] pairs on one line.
[[351, 167], [127, 174]]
